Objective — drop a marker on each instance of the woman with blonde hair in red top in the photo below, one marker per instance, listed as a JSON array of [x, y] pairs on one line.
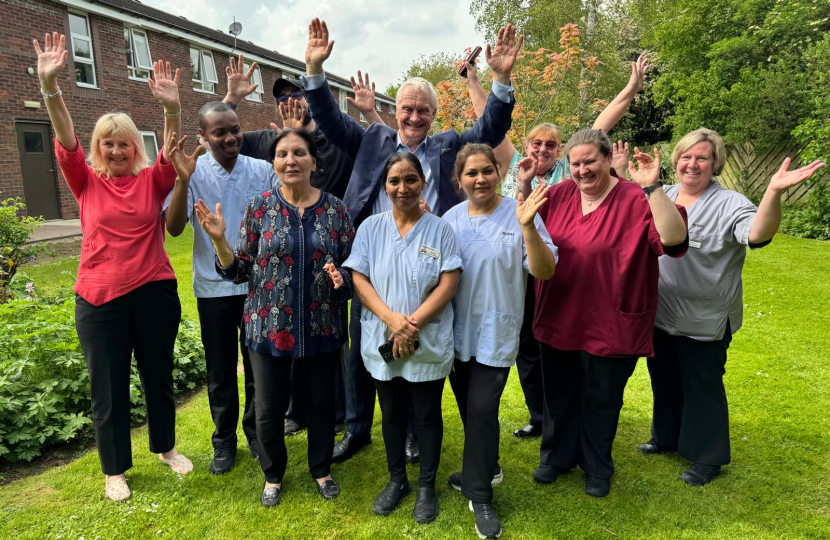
[[126, 301]]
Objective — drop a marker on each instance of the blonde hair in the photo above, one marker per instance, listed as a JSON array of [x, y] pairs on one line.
[[545, 129], [116, 124], [702, 135]]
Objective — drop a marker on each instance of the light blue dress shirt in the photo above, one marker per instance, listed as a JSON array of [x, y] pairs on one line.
[[489, 303], [404, 271], [213, 184]]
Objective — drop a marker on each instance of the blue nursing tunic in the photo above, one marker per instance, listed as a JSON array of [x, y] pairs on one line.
[[489, 304], [404, 271]]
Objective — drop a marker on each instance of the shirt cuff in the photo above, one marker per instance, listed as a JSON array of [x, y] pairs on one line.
[[313, 82], [501, 91]]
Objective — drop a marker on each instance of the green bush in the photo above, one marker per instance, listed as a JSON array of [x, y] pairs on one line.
[[44, 385], [14, 235], [811, 220]]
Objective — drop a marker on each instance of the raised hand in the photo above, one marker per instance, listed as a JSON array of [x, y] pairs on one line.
[[183, 163], [638, 74], [785, 178], [213, 224], [165, 86], [619, 157], [238, 80], [502, 58], [52, 58], [526, 210], [472, 71], [319, 47], [292, 114], [528, 168], [334, 274], [648, 170], [364, 93]]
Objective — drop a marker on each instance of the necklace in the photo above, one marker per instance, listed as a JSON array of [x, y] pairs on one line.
[[591, 201]]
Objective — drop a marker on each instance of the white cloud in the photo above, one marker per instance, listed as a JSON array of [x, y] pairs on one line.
[[382, 37]]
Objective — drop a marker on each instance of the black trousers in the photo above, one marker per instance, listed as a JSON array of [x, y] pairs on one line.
[[360, 386], [145, 322], [478, 389], [297, 411], [395, 397], [221, 322], [583, 399], [272, 377], [690, 408], [527, 361]]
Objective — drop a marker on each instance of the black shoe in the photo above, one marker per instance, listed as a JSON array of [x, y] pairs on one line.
[[700, 474], [528, 432], [388, 499], [426, 505], [292, 428], [223, 457], [329, 490], [270, 496], [348, 446], [487, 521], [597, 487], [455, 478], [413, 453], [547, 474], [653, 447], [253, 447], [339, 427]]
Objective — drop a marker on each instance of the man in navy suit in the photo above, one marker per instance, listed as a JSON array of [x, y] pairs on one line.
[[370, 147]]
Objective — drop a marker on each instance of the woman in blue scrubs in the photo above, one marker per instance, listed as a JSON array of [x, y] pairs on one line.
[[501, 240], [406, 267]]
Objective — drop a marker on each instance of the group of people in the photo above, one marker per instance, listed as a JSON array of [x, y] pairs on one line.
[[460, 258]]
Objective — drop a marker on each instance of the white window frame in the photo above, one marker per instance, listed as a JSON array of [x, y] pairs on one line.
[[378, 106], [256, 78], [391, 108], [344, 105], [89, 61], [204, 54], [136, 67], [362, 118], [155, 142]]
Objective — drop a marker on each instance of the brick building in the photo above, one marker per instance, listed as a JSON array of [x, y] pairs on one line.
[[112, 44]]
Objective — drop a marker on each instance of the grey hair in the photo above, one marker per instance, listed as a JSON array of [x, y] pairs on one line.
[[210, 107], [590, 136], [422, 85]]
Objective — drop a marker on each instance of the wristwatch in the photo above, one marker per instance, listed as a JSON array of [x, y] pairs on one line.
[[648, 190]]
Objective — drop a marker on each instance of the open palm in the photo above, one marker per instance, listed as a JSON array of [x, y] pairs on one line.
[[364, 93], [784, 178], [183, 163], [502, 57], [526, 210], [52, 58], [319, 47], [648, 170], [213, 224], [165, 86]]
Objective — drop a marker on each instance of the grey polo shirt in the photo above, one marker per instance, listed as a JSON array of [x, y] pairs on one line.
[[700, 292]]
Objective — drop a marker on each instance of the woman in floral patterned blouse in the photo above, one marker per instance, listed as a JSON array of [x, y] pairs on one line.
[[291, 243]]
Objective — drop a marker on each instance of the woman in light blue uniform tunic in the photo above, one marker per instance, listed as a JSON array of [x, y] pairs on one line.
[[406, 268], [501, 240]]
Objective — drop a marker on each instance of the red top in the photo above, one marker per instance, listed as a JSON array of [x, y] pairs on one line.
[[123, 230], [603, 296]]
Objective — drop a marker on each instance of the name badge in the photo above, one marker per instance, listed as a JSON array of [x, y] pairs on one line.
[[430, 252], [694, 244]]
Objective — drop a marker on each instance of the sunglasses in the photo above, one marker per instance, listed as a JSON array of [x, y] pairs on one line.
[[293, 95], [536, 144]]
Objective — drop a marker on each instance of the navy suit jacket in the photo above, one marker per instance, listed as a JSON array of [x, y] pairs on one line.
[[371, 146]]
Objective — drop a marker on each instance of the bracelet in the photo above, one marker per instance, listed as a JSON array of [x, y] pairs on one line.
[[173, 115], [648, 190], [50, 96]]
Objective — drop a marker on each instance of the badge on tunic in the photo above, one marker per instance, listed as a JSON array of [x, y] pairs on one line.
[[694, 244], [430, 252]]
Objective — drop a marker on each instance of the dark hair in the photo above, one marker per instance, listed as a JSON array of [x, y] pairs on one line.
[[311, 146], [397, 157], [471, 149], [210, 107]]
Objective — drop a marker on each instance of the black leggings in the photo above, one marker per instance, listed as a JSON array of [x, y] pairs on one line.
[[144, 321], [395, 397]]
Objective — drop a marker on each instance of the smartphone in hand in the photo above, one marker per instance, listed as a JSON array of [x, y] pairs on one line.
[[462, 71], [385, 350]]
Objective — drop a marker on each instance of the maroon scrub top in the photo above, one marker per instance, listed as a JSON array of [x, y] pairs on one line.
[[603, 297]]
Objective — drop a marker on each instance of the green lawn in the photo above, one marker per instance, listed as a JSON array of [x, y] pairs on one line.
[[778, 485]]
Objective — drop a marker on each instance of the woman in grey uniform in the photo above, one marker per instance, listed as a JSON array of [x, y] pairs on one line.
[[701, 303]]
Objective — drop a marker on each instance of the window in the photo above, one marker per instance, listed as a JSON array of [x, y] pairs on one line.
[[344, 105], [378, 105], [32, 142], [139, 63], [256, 78], [362, 118], [82, 50], [150, 145], [391, 108], [204, 70]]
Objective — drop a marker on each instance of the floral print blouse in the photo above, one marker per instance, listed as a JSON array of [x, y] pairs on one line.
[[293, 309]]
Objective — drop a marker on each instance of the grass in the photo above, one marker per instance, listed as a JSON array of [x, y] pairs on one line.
[[778, 485]]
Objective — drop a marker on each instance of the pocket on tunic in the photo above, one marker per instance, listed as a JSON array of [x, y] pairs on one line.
[[700, 315], [630, 334], [373, 334], [499, 338], [435, 344], [95, 249], [424, 277]]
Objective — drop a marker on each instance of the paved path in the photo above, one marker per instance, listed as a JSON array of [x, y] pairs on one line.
[[56, 229]]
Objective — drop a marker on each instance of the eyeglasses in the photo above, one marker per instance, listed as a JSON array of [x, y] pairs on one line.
[[293, 95], [536, 144]]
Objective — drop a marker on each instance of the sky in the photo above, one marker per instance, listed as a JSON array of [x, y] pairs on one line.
[[381, 37]]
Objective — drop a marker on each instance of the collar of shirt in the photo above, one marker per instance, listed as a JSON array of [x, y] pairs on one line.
[[218, 169], [420, 153]]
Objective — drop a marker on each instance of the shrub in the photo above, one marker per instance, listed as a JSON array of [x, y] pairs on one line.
[[14, 235], [44, 385], [811, 220]]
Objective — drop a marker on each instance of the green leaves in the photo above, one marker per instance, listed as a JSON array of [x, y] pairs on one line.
[[15, 231]]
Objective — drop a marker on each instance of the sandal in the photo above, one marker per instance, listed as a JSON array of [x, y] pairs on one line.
[[117, 490], [178, 463]]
